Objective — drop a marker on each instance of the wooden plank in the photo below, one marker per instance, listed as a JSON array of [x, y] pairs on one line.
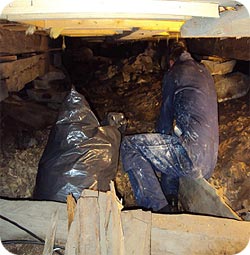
[[18, 73], [136, 226], [197, 235], [50, 237], [156, 9], [115, 237], [8, 58], [231, 48], [85, 229], [71, 205], [16, 42], [198, 196], [118, 24]]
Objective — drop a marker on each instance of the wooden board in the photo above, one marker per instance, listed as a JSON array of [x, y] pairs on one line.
[[17, 73], [231, 48], [136, 226], [17, 42]]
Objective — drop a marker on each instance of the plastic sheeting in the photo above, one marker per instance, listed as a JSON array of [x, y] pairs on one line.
[[79, 153]]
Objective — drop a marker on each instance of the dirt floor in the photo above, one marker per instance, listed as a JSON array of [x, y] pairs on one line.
[[139, 99]]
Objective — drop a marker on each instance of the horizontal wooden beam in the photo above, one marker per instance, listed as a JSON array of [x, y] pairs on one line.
[[156, 9], [230, 48], [106, 27], [100, 227], [17, 73], [119, 24], [17, 42]]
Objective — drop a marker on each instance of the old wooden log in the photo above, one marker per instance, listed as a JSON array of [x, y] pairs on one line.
[[17, 42], [129, 231], [197, 235], [34, 216], [231, 48], [17, 73]]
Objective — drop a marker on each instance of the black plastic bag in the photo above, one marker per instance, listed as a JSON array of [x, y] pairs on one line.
[[79, 153]]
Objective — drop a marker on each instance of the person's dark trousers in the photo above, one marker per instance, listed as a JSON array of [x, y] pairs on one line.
[[142, 155]]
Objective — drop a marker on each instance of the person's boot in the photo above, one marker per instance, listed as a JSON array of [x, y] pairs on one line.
[[173, 202]]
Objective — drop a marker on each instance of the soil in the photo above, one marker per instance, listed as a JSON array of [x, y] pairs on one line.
[[139, 100]]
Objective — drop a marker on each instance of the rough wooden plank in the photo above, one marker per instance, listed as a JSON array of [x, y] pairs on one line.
[[33, 215], [20, 72], [136, 226], [8, 58], [97, 227], [71, 205], [50, 237], [197, 235], [231, 48], [16, 42], [86, 228], [198, 196], [115, 238]]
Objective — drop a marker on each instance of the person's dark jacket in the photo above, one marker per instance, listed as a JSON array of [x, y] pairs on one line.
[[189, 102]]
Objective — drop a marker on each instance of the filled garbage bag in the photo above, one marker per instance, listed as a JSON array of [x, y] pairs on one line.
[[79, 153]]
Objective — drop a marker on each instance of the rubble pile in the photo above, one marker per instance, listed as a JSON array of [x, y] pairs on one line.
[[128, 82]]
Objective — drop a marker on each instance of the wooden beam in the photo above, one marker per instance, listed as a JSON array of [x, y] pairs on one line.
[[16, 42], [17, 73], [197, 235], [100, 225], [33, 215], [230, 48], [119, 24], [156, 9], [87, 32]]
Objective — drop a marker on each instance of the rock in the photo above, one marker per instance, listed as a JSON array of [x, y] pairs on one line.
[[231, 86], [219, 67]]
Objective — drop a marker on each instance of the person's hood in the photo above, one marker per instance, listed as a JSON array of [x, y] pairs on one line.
[[185, 56]]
